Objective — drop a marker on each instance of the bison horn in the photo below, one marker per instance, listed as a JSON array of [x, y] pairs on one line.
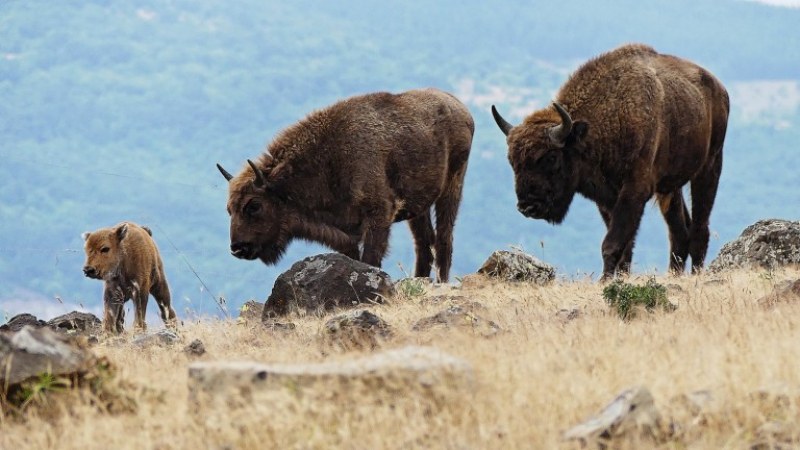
[[505, 127], [260, 180], [224, 173], [559, 133]]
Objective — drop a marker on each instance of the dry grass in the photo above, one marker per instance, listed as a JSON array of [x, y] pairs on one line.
[[533, 381]]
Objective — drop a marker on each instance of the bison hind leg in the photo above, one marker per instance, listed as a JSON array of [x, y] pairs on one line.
[[704, 191], [424, 238], [676, 215], [160, 292]]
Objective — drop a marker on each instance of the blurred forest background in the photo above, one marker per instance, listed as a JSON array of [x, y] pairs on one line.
[[113, 110]]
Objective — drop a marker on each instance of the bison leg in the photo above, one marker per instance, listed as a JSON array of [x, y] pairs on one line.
[[140, 298], [378, 214], [422, 231], [673, 208], [113, 309], [624, 266], [624, 224], [704, 191], [446, 212], [160, 292]]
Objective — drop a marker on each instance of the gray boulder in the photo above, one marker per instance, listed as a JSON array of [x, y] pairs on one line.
[[161, 338], [323, 282], [20, 320], [31, 351], [76, 322], [464, 316], [517, 266], [631, 415], [766, 244]]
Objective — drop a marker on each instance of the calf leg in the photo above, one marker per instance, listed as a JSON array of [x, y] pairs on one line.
[[160, 292], [140, 298], [422, 231], [113, 308], [673, 208]]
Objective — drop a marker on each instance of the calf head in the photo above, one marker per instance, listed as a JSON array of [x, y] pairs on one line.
[[104, 251], [258, 211], [539, 151]]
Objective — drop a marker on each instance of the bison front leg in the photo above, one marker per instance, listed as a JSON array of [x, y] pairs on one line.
[[113, 308], [376, 232], [624, 223], [140, 297], [424, 237]]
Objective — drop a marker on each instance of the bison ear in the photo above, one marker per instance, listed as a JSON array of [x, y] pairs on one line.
[[85, 235], [122, 231], [579, 130]]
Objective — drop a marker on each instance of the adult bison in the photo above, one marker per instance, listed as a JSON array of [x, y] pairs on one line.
[[345, 173], [627, 125]]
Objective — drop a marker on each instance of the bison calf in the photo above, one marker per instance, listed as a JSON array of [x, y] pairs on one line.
[[126, 258], [345, 173], [628, 125]]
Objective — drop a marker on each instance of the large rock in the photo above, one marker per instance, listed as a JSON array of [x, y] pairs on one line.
[[422, 374], [30, 352], [766, 244], [632, 415], [20, 320], [517, 266], [786, 292], [323, 282]]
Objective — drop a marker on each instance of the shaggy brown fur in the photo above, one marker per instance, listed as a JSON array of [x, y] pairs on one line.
[[345, 173], [126, 258], [633, 124]]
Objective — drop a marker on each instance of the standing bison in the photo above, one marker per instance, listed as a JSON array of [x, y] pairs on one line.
[[627, 125], [126, 258], [345, 173]]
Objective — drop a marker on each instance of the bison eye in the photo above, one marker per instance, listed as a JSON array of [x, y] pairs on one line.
[[104, 250], [252, 208], [549, 160]]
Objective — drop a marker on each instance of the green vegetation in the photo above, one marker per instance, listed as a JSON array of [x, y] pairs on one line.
[[628, 299]]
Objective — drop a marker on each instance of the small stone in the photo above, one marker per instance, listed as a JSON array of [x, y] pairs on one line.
[[356, 330], [195, 348], [161, 338], [633, 412], [461, 316]]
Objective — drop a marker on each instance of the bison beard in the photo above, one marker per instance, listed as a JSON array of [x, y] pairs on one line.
[[657, 123], [344, 174]]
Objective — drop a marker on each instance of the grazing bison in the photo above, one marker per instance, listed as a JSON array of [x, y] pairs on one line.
[[126, 258], [345, 173], [627, 125]]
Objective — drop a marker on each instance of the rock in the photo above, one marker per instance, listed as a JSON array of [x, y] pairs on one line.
[[568, 315], [274, 325], [632, 414], [162, 338], [787, 292], [324, 282], [517, 266], [418, 375], [251, 310], [20, 320], [32, 351], [195, 348], [76, 322], [461, 316], [766, 244], [356, 330]]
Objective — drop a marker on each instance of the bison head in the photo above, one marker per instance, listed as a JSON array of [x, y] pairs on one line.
[[539, 151], [258, 211], [104, 251]]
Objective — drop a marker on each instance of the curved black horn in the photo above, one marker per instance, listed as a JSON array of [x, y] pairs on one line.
[[224, 173], [559, 133], [505, 127], [260, 181]]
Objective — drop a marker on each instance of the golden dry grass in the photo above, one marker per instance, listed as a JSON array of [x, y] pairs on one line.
[[537, 378]]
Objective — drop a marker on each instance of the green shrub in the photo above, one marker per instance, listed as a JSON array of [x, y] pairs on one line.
[[628, 298]]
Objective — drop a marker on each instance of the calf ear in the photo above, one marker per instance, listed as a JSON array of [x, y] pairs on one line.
[[85, 235], [122, 231], [579, 130]]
